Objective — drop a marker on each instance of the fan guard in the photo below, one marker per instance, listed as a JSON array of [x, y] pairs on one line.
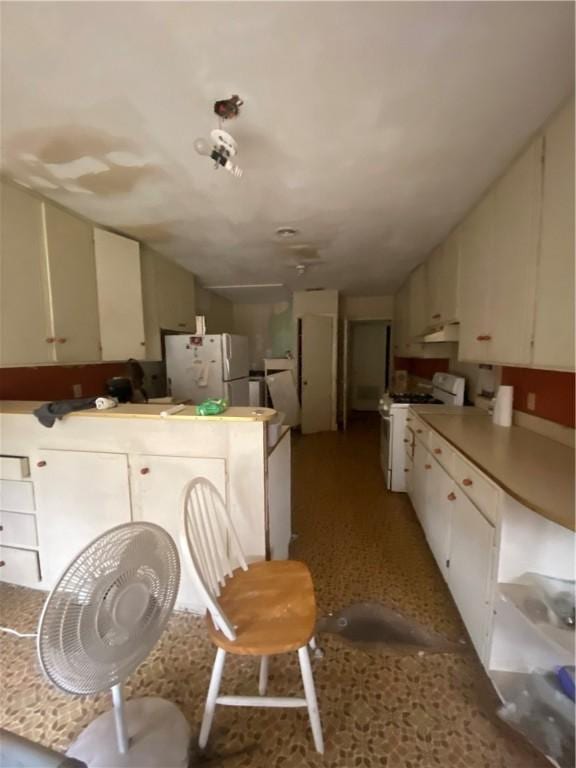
[[109, 608]]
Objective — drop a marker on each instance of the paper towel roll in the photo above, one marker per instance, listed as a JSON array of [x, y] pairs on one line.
[[502, 415], [103, 403]]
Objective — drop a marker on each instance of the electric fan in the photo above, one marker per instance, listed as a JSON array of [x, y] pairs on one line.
[[101, 620]]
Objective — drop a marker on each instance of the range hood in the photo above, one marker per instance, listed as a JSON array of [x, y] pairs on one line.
[[446, 333]]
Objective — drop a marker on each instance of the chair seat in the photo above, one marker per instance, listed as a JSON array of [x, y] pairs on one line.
[[271, 606]]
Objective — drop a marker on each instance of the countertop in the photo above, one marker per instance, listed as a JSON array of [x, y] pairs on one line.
[[145, 411], [535, 470]]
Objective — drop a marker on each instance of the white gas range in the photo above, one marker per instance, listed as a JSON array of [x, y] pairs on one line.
[[446, 390]]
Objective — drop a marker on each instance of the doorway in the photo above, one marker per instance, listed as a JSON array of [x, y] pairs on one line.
[[366, 368]]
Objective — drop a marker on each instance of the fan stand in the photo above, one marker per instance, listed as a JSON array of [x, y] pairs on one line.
[[141, 733]]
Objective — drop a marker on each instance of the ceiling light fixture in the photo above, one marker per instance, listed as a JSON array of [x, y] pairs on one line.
[[286, 232], [222, 146]]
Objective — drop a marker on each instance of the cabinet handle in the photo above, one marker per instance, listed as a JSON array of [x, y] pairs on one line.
[[181, 325], [451, 497], [142, 343], [408, 419], [1, 527], [467, 481], [437, 451], [483, 337], [427, 466], [406, 440], [2, 563], [419, 431], [437, 316], [40, 463], [50, 340], [61, 341], [145, 471], [406, 469]]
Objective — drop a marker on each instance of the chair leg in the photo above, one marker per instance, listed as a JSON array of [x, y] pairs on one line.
[[311, 701], [263, 679], [318, 652], [213, 690]]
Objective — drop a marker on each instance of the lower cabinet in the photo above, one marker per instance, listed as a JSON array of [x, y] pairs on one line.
[[461, 539], [80, 495], [157, 484], [439, 514], [472, 540]]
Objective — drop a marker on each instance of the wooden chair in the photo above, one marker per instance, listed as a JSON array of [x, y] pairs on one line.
[[260, 609]]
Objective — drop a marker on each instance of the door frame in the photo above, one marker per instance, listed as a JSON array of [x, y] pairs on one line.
[[347, 338]]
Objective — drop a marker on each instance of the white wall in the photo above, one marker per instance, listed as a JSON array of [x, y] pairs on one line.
[[218, 311], [367, 307], [268, 328]]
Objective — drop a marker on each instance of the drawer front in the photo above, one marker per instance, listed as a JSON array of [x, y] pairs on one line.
[[17, 496], [421, 430], [477, 487], [442, 452], [14, 467], [18, 529], [19, 566]]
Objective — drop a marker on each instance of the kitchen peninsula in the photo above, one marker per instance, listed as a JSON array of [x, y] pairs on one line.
[[62, 487]]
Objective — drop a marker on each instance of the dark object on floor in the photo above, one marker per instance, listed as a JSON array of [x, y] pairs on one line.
[[18, 752], [374, 626], [49, 412]]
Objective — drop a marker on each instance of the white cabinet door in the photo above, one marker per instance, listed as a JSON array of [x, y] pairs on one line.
[[475, 278], [157, 483], [280, 500], [119, 296], [420, 482], [554, 324], [438, 514], [443, 265], [79, 495], [24, 322], [512, 284], [470, 567], [72, 286]]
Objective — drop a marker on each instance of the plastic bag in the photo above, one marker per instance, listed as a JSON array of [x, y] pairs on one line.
[[211, 407]]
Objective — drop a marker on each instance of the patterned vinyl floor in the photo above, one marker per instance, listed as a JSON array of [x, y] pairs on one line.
[[379, 708]]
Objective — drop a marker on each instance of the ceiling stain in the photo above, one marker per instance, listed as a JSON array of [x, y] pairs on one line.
[[119, 180], [150, 233]]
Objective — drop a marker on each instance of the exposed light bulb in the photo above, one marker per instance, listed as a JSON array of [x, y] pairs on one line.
[[233, 169], [203, 147]]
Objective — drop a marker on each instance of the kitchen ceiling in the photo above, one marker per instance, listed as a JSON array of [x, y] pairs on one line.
[[371, 128]]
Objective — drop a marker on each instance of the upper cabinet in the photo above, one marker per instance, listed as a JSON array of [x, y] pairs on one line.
[[24, 323], [443, 268], [49, 310], [554, 318], [418, 301], [72, 292], [119, 282], [498, 258]]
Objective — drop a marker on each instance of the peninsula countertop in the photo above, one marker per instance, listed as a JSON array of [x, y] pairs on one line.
[[145, 411], [535, 470]]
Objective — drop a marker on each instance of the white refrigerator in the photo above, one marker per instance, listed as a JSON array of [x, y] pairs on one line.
[[202, 367]]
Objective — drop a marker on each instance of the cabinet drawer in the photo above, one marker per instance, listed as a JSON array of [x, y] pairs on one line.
[[441, 451], [18, 529], [14, 467], [478, 488], [17, 496], [421, 430], [19, 566]]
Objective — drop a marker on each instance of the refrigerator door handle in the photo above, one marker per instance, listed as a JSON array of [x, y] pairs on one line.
[[227, 352]]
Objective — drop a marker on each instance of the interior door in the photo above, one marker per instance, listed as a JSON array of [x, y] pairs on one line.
[[317, 373], [345, 373]]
